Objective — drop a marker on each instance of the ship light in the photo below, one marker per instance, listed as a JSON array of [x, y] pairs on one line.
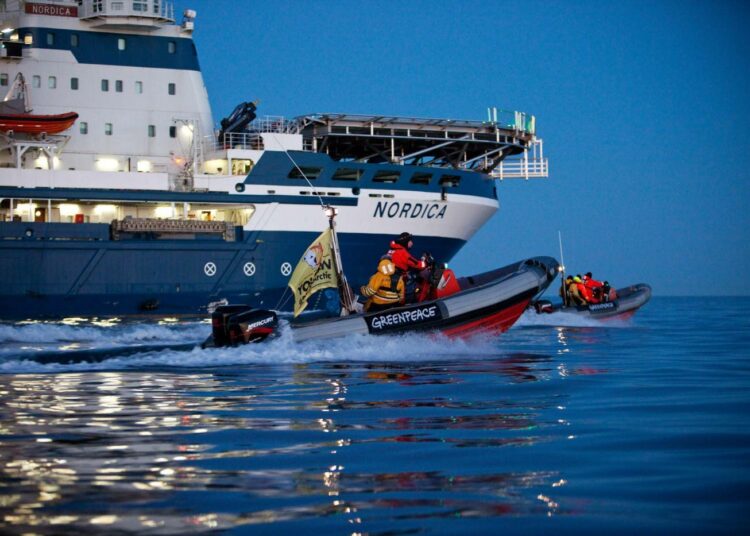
[[6, 30], [164, 212], [143, 166], [69, 209], [23, 208], [41, 163], [104, 209], [107, 164]]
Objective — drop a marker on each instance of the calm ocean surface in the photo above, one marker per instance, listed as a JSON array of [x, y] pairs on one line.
[[638, 427]]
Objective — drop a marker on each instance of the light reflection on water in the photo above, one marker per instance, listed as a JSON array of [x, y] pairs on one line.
[[218, 450], [564, 429]]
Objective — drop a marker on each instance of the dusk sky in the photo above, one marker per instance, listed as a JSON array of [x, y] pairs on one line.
[[644, 108]]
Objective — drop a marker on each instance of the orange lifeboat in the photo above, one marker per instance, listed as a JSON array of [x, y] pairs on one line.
[[37, 124]]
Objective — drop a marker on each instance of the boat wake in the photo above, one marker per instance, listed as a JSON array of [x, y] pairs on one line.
[[531, 318], [56, 347]]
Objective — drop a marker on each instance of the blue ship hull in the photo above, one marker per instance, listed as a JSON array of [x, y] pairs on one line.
[[50, 275]]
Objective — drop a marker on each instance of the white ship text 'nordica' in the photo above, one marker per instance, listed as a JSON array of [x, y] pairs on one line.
[[430, 211]]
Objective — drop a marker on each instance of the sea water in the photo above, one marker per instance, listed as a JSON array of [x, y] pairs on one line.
[[557, 426]]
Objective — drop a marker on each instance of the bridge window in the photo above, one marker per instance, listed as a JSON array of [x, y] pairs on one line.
[[28, 39], [105, 85], [172, 88], [73, 40], [74, 83], [52, 82], [347, 174], [36, 81], [152, 131], [3, 79], [450, 180], [50, 39], [173, 131], [108, 129], [140, 6], [309, 172], [138, 86], [386, 176], [83, 126], [121, 43], [171, 47], [421, 178], [118, 86]]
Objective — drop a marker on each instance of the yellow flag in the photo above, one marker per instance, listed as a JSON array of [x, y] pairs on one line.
[[315, 271]]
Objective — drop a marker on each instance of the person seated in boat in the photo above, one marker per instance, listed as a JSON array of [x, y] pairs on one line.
[[595, 287], [406, 265], [608, 292], [578, 292], [385, 289], [565, 290]]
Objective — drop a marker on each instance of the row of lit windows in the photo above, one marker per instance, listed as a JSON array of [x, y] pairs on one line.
[[386, 175], [83, 128], [36, 82]]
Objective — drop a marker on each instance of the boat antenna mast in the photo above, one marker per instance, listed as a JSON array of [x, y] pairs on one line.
[[562, 271], [345, 291]]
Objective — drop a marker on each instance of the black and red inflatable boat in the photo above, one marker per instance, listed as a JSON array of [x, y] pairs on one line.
[[489, 302]]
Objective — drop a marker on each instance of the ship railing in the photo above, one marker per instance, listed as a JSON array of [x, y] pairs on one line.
[[154, 9], [530, 164], [233, 140], [251, 138]]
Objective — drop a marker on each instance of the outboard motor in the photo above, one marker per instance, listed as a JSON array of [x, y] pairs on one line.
[[240, 324]]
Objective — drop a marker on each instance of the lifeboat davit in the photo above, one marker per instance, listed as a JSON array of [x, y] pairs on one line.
[[37, 124]]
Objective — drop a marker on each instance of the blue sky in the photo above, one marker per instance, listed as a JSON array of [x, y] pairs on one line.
[[643, 107]]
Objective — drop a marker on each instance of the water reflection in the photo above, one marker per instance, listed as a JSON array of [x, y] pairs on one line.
[[215, 450]]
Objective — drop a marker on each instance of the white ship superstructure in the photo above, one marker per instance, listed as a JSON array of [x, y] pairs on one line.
[[150, 209]]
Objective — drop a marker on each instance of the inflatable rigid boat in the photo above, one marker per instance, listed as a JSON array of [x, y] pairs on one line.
[[485, 303], [628, 301]]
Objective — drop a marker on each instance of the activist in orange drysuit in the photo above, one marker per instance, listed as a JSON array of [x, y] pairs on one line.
[[400, 256]]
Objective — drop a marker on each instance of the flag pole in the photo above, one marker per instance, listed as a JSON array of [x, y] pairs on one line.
[[345, 292]]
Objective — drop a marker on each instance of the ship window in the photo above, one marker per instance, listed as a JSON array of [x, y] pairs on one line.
[[74, 40], [108, 129], [52, 82], [139, 87], [172, 88], [347, 174], [121, 43], [28, 39], [421, 178], [309, 172], [3, 79], [450, 180], [83, 127], [36, 81], [386, 176], [152, 131], [105, 85], [173, 131], [74, 83], [50, 39], [140, 6], [118, 86], [117, 6], [171, 47]]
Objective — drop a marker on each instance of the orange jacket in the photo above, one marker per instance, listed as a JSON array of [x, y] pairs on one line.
[[403, 259]]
